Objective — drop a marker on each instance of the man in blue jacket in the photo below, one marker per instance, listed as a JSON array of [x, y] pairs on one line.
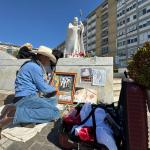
[[29, 106]]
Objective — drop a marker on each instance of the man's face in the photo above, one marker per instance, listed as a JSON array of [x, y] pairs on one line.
[[44, 60]]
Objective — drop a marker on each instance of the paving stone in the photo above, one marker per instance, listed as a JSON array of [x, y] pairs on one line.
[[1, 148], [17, 146], [50, 147], [53, 135], [36, 146], [46, 130], [7, 144], [3, 140]]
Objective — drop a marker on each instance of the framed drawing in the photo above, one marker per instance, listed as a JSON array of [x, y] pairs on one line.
[[86, 74], [64, 83], [99, 77]]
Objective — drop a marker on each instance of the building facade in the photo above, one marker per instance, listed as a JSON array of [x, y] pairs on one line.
[[91, 32], [100, 30], [106, 28], [133, 28], [85, 35]]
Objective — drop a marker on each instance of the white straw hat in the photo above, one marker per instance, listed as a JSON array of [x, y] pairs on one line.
[[43, 50]]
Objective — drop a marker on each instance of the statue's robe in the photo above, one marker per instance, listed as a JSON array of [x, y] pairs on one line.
[[74, 41]]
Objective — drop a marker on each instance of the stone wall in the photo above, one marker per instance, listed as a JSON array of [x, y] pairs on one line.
[[8, 69]]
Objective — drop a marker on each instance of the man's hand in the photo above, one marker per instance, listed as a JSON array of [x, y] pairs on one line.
[[48, 95]]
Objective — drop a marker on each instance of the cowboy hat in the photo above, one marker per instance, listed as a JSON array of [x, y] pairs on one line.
[[43, 50]]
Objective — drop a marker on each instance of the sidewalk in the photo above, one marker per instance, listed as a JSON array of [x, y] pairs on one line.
[[47, 139]]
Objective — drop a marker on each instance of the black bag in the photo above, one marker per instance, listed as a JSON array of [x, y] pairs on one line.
[[67, 137]]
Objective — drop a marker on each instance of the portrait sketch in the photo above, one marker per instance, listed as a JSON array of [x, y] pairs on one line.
[[99, 77], [86, 74]]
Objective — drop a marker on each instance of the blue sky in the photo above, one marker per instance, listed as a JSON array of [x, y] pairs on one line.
[[40, 22]]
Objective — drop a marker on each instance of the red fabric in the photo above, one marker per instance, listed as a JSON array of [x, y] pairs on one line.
[[86, 134], [73, 118]]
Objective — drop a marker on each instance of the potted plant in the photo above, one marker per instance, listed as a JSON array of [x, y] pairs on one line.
[[139, 68]]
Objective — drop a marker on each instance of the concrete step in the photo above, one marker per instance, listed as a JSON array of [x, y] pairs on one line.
[[116, 93], [117, 80], [116, 99], [116, 87]]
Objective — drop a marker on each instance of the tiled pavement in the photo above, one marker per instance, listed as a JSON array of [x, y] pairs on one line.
[[47, 139]]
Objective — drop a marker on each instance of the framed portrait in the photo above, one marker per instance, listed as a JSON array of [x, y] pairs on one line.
[[86, 74], [99, 77], [64, 83]]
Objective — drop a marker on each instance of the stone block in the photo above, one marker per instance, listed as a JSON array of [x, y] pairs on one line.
[[7, 144], [3, 140], [35, 146], [8, 69]]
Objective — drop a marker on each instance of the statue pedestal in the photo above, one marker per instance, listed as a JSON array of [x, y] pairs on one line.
[[105, 93]]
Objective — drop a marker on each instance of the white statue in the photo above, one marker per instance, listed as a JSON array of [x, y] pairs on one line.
[[74, 41]]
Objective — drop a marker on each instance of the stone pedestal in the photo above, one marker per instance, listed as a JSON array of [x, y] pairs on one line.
[[105, 93]]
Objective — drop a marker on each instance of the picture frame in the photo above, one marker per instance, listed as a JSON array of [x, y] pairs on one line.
[[99, 77], [64, 82], [85, 75]]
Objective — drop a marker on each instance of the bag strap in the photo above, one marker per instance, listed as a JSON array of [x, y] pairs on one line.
[[90, 114], [94, 125]]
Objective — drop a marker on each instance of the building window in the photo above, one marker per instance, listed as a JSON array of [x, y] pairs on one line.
[[121, 13], [122, 52], [132, 40], [144, 11], [131, 7], [128, 41], [105, 41], [144, 24], [148, 10], [121, 43], [104, 50], [121, 33], [135, 40], [128, 19], [144, 37], [105, 24], [131, 28], [104, 33], [122, 22], [134, 17]]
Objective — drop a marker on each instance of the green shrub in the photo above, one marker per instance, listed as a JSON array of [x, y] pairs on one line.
[[139, 66]]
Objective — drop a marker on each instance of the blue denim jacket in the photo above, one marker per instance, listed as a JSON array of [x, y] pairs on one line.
[[30, 80]]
